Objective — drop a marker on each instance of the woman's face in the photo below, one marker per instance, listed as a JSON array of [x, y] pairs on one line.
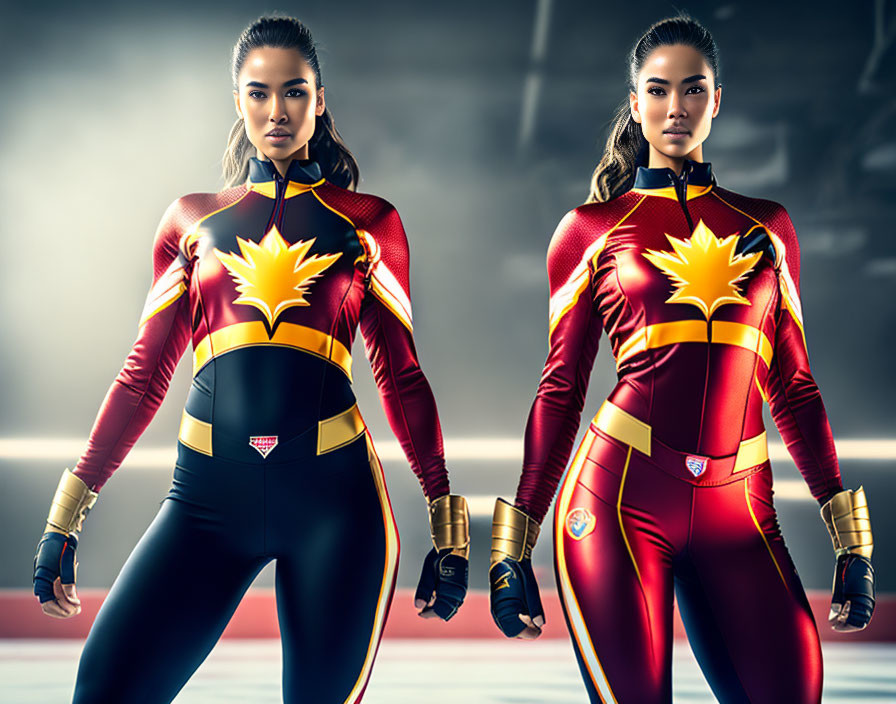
[[278, 99], [676, 101]]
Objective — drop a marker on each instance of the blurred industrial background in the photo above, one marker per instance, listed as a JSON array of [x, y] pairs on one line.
[[481, 122]]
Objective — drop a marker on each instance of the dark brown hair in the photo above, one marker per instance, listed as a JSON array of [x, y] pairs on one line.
[[326, 146], [626, 147]]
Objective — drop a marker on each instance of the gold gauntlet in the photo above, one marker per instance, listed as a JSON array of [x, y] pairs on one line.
[[70, 505], [513, 533], [846, 516], [449, 523]]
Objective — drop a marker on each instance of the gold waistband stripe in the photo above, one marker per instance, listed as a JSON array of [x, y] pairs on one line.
[[679, 331], [339, 430], [751, 452], [623, 426], [195, 434], [287, 335]]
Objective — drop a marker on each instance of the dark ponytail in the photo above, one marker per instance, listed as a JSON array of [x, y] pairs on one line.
[[326, 146], [626, 147]]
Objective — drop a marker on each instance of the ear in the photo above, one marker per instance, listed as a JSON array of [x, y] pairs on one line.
[[633, 106], [236, 104], [718, 101], [321, 102]]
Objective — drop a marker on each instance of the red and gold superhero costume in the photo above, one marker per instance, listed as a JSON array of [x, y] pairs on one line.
[[269, 280], [697, 289]]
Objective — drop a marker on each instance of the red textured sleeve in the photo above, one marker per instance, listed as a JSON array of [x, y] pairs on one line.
[[164, 332], [387, 329], [793, 395], [574, 332]]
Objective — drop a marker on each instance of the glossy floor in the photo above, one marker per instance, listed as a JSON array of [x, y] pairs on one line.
[[431, 671]]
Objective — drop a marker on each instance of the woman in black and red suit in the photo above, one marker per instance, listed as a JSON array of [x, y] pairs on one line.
[[697, 289], [269, 280]]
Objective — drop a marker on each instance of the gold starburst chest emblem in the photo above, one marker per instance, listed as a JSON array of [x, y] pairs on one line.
[[274, 276], [704, 269]]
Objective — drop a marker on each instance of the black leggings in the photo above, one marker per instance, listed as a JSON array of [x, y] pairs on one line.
[[328, 524]]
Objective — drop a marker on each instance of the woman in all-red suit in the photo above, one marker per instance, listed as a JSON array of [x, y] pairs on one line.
[[697, 289]]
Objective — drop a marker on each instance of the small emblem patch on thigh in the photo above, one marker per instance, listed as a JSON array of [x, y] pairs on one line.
[[263, 443], [696, 464], [579, 523]]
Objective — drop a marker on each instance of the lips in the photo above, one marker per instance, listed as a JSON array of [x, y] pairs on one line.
[[278, 133], [677, 131]]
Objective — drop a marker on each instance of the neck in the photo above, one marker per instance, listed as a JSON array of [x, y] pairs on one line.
[[282, 165], [658, 160]]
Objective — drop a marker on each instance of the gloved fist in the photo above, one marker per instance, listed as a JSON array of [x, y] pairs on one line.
[[443, 584], [54, 561], [515, 601], [54, 575], [852, 602], [443, 581], [846, 516]]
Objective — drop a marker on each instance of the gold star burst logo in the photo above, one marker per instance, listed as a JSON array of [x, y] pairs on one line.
[[704, 269], [273, 276]]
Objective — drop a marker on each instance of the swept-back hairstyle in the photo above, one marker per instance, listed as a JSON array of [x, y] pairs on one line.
[[326, 146], [626, 147]]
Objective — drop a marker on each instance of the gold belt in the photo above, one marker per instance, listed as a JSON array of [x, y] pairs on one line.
[[332, 433], [624, 427]]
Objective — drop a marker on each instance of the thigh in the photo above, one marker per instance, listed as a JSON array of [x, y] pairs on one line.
[[335, 578], [614, 575], [744, 608], [164, 613]]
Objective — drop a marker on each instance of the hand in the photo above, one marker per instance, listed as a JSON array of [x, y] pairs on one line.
[[54, 575], [515, 601], [442, 586], [852, 602]]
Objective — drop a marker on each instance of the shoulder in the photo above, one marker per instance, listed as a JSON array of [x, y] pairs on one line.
[[581, 231], [771, 214], [776, 220], [185, 212], [363, 210]]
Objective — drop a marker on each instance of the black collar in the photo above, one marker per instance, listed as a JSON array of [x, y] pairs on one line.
[[306, 172], [699, 173]]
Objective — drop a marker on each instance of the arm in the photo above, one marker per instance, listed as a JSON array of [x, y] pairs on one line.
[[387, 329], [799, 414], [793, 396], [574, 332], [130, 404]]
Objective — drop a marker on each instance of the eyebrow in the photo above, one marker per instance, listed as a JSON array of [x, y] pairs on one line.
[[690, 79], [293, 82]]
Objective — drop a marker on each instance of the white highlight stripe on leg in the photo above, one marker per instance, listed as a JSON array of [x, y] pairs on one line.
[[391, 565], [580, 630]]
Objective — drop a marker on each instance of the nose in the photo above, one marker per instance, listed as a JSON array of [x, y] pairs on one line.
[[278, 113], [676, 107]]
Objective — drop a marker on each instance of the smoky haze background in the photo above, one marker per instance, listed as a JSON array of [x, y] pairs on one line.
[[481, 123]]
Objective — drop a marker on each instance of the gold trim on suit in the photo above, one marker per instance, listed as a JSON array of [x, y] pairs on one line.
[[195, 434], [339, 430], [287, 335]]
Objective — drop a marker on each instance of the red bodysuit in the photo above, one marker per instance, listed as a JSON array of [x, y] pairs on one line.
[[697, 289]]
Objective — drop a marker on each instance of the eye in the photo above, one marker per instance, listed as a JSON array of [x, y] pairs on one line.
[[257, 95], [694, 90], [656, 90], [296, 93]]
